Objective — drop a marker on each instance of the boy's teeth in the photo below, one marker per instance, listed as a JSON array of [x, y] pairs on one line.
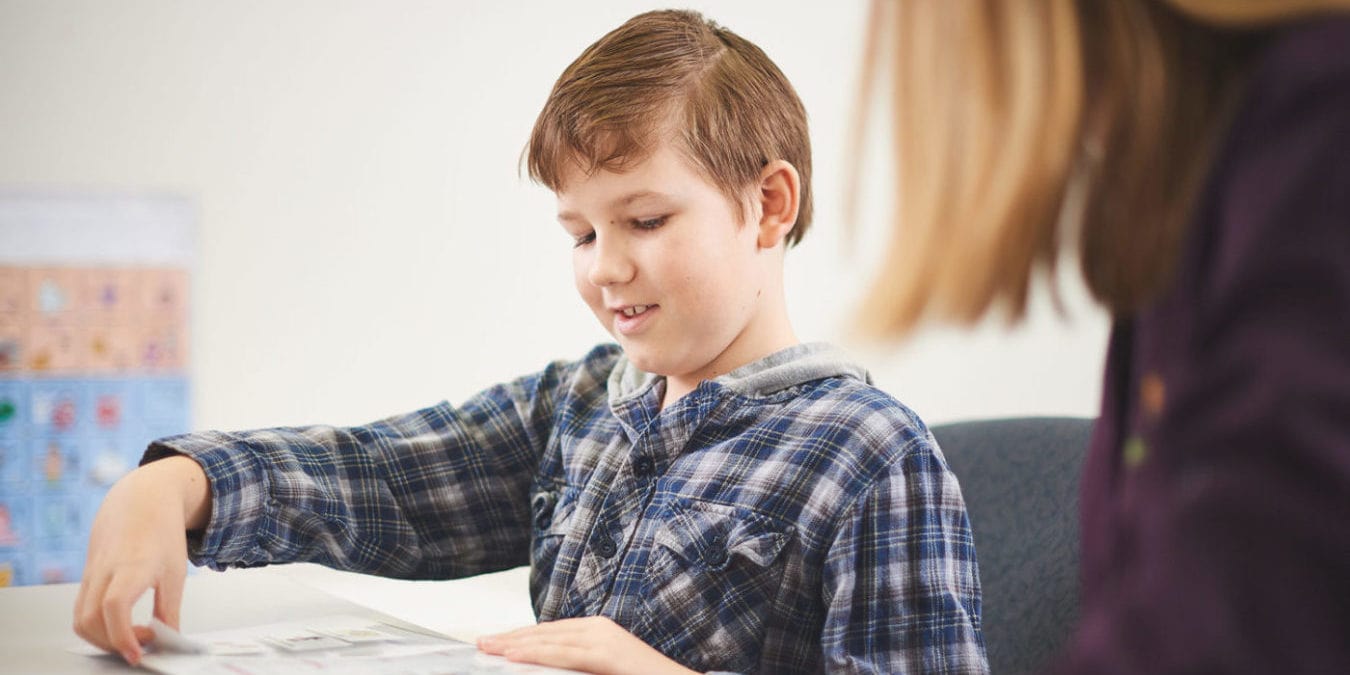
[[634, 310]]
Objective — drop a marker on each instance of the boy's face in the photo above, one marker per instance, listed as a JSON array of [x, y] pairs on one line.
[[668, 268]]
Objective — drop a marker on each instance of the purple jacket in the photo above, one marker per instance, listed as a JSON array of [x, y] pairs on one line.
[[1216, 496]]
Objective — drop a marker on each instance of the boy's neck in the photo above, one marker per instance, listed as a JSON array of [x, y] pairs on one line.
[[746, 349]]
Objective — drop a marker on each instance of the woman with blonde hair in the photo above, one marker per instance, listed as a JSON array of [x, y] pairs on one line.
[[1194, 156]]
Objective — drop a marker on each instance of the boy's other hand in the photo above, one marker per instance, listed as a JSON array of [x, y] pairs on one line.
[[592, 644], [138, 542]]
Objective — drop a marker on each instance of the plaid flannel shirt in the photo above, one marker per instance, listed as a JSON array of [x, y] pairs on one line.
[[758, 524]]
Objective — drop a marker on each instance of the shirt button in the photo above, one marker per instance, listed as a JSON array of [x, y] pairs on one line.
[[543, 509], [643, 467], [604, 546], [716, 555]]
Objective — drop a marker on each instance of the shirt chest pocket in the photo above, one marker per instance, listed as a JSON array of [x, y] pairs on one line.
[[712, 582]]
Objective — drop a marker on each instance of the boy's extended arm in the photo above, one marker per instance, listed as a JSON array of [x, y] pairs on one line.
[[437, 493], [901, 584]]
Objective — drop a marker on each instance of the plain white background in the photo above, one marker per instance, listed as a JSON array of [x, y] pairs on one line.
[[366, 244]]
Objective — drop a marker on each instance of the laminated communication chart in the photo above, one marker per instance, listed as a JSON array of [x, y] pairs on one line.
[[94, 295]]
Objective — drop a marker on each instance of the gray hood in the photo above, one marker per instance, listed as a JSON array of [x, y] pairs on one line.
[[782, 369]]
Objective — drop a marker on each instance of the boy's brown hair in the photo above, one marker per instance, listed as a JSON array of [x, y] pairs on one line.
[[674, 76]]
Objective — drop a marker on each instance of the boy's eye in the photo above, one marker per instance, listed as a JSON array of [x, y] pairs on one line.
[[578, 242], [649, 223]]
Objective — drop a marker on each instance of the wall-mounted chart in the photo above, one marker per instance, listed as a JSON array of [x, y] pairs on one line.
[[94, 297]]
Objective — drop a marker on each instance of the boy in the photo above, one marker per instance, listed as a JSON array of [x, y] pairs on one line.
[[709, 495]]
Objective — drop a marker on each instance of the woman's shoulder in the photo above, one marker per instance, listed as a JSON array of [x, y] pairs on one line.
[[1278, 182], [1304, 69]]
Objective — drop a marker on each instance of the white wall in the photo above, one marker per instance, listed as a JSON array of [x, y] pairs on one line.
[[366, 244]]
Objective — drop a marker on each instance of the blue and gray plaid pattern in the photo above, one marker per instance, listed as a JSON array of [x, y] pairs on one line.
[[813, 528]]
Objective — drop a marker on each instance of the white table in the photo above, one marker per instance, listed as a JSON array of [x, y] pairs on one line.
[[35, 621]]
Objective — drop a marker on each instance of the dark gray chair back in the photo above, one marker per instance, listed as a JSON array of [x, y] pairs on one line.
[[1019, 477]]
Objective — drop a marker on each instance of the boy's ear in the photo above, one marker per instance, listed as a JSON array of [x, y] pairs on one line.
[[779, 199]]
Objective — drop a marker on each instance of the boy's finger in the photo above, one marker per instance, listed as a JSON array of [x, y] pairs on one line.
[[513, 634], [169, 601], [553, 654], [77, 611], [144, 634], [89, 611], [563, 630], [495, 643], [117, 601]]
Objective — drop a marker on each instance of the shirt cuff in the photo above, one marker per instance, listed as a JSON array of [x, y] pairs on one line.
[[233, 535]]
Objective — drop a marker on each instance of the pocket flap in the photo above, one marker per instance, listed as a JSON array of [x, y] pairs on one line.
[[712, 534]]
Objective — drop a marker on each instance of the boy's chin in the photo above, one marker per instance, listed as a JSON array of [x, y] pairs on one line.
[[641, 360], [645, 358]]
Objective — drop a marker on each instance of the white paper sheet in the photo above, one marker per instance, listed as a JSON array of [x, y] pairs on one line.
[[345, 645]]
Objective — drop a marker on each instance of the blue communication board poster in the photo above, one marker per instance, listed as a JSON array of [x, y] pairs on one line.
[[94, 315]]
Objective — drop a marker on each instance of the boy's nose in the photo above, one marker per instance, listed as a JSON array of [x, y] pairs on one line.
[[610, 265]]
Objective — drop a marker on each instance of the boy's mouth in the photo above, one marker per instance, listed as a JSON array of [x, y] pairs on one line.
[[630, 319]]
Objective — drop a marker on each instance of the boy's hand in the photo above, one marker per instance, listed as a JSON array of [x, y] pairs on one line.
[[593, 644], [138, 542]]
